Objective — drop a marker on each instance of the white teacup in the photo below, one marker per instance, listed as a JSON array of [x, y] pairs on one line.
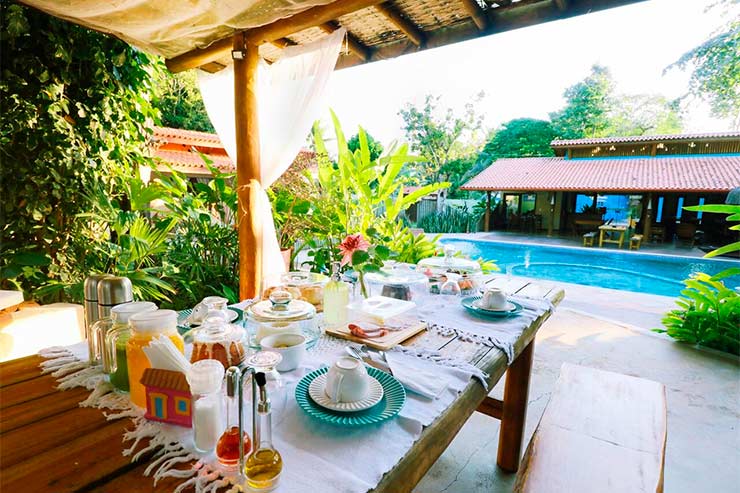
[[347, 380], [494, 299], [292, 347], [201, 309]]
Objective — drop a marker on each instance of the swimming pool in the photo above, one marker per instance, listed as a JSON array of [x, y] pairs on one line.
[[628, 271]]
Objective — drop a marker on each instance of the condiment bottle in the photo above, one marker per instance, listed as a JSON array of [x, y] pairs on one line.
[[145, 327], [112, 335], [227, 448], [265, 464], [205, 378], [336, 298]]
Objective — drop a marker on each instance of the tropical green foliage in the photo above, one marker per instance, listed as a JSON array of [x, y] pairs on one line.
[[708, 314], [451, 220], [179, 101], [439, 136], [76, 116], [593, 109], [587, 106], [644, 114], [715, 64], [521, 137], [376, 148]]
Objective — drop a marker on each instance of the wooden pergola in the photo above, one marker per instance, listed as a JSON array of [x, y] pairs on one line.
[[377, 30]]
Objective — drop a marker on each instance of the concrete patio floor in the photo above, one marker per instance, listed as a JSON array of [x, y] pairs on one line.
[[702, 387]]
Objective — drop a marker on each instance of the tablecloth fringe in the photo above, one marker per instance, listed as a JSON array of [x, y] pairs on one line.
[[164, 441]]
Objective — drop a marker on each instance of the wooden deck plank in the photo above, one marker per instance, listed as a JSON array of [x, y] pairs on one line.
[[29, 390], [19, 370], [23, 443], [50, 405], [81, 461]]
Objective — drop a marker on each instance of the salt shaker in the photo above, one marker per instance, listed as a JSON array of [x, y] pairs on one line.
[[205, 378]]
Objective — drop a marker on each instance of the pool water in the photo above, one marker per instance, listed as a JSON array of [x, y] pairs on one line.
[[628, 271]]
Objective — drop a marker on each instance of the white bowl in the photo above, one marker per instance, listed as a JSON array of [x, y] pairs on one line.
[[292, 347]]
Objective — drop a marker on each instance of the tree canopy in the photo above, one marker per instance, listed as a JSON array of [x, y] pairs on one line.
[[439, 136], [376, 148], [521, 137], [715, 75], [587, 106], [179, 101]]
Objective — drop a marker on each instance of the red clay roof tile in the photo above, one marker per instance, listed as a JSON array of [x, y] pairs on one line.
[[664, 173]]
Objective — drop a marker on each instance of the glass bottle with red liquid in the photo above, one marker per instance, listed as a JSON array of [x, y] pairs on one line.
[[227, 448]]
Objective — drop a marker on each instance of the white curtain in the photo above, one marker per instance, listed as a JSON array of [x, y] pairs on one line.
[[290, 98]]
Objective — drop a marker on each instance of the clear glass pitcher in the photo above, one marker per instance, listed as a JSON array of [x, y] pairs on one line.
[[119, 317]]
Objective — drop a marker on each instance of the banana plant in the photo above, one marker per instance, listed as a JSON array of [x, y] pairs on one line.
[[368, 193]]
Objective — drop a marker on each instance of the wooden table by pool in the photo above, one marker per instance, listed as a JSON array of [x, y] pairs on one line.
[[49, 443], [606, 230]]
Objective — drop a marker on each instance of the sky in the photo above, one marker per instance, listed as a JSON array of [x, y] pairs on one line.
[[524, 72]]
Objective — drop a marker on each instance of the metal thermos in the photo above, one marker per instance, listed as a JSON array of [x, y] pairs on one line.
[[91, 309], [112, 291]]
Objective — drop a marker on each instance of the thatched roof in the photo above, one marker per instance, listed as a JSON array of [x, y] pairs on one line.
[[198, 33]]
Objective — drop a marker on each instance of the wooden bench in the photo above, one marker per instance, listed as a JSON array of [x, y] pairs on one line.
[[601, 432], [635, 242], [588, 239]]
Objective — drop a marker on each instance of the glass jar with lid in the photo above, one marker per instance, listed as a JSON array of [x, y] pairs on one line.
[[304, 286], [113, 334], [219, 340], [282, 314], [439, 270], [399, 281], [146, 326]]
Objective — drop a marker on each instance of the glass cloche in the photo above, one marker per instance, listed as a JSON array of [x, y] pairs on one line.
[[399, 281], [439, 270], [282, 314]]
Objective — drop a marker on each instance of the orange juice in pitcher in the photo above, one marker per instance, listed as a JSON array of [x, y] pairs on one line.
[[145, 327]]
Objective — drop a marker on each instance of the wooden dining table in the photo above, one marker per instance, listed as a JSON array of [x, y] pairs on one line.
[[49, 443]]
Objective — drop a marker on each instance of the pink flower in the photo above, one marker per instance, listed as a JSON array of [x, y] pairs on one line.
[[350, 245]]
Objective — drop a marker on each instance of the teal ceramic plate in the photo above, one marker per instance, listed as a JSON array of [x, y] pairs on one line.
[[468, 303], [394, 396]]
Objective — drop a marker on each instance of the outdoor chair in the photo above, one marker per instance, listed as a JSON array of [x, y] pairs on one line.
[[588, 239], [686, 232], [635, 242]]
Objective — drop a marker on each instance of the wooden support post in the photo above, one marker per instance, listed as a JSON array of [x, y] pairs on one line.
[[648, 218], [551, 222], [249, 188], [514, 414], [406, 26], [487, 217]]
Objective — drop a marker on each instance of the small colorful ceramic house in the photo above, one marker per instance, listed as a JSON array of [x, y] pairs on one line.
[[167, 396]]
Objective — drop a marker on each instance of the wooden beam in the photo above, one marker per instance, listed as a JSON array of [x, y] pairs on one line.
[[249, 189], [406, 26], [308, 18], [491, 407], [265, 34], [355, 46], [476, 13], [517, 15], [487, 217]]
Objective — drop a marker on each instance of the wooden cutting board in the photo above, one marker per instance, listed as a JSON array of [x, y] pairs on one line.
[[388, 341]]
